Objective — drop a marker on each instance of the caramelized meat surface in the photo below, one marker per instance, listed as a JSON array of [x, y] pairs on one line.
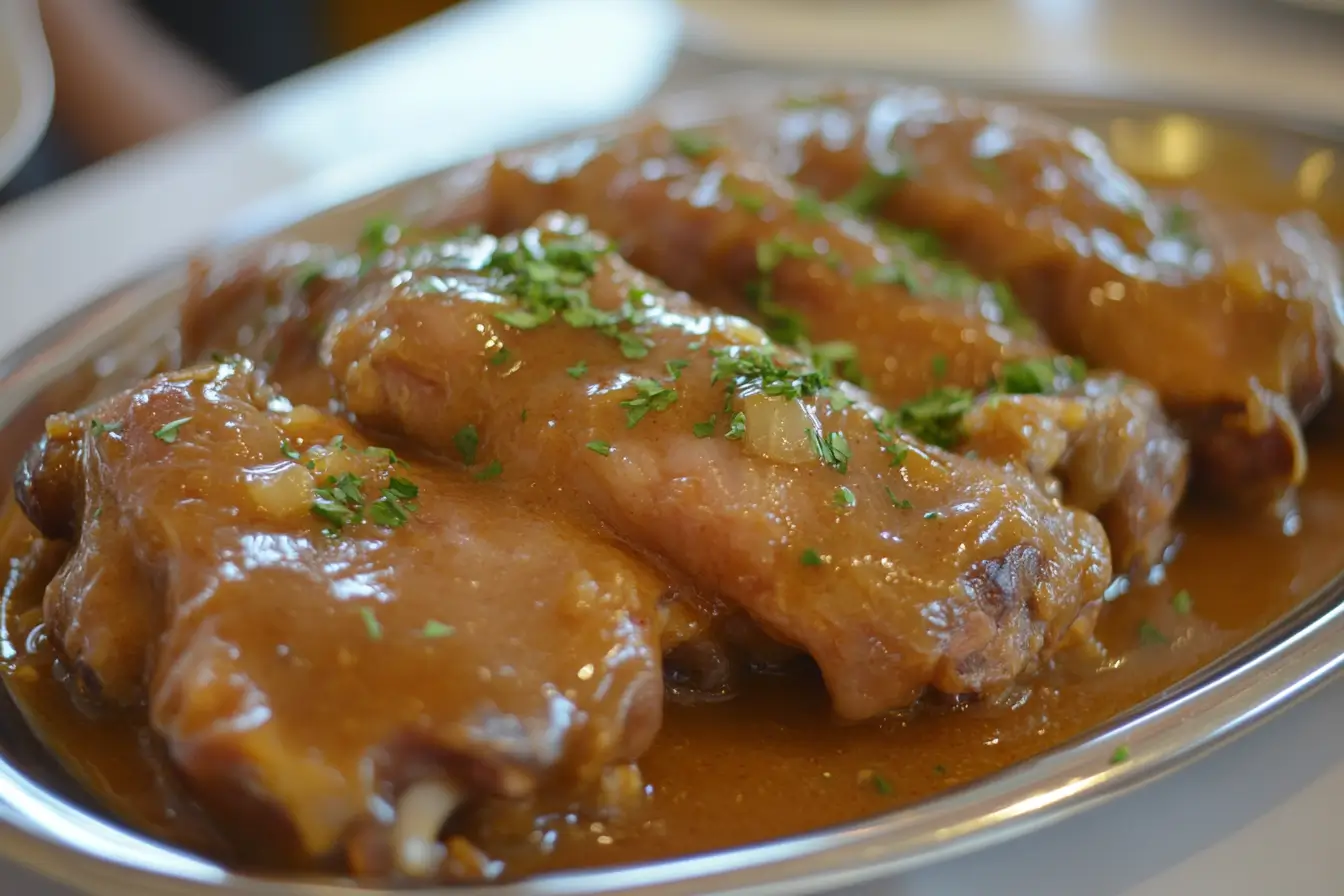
[[323, 633], [896, 566], [919, 332], [1224, 313]]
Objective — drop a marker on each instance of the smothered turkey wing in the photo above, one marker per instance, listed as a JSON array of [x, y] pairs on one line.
[[922, 334], [545, 359], [323, 633]]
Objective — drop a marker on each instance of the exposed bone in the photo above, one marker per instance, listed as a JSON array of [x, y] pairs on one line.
[[421, 813]]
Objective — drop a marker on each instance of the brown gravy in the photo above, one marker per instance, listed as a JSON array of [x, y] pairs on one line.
[[772, 762]]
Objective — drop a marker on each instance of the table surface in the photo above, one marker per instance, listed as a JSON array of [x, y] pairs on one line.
[[1257, 816]]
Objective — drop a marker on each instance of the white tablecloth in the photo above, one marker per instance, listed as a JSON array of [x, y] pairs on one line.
[[1258, 817]]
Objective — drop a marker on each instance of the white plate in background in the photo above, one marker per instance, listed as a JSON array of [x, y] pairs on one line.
[[1227, 54], [26, 87]]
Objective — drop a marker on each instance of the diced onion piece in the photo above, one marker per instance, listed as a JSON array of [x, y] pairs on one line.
[[281, 491], [422, 812], [777, 428]]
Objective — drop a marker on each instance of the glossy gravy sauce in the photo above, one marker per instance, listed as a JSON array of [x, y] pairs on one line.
[[772, 761]]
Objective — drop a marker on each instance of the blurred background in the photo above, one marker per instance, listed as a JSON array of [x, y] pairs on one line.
[[129, 70], [126, 71]]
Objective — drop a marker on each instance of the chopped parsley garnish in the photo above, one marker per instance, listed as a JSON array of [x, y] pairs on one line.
[[98, 427], [1179, 224], [522, 416], [940, 770], [932, 515], [435, 629], [844, 497], [652, 396], [602, 448], [467, 441], [705, 429], [1120, 755], [1182, 602], [1151, 636], [1039, 376], [881, 785], [578, 370], [756, 367], [500, 357], [833, 449], [810, 557], [168, 432], [939, 367], [289, 450], [493, 470], [783, 325], [737, 427], [936, 417], [338, 444], [693, 144], [632, 346], [746, 201], [341, 502], [897, 272], [385, 454], [838, 399], [372, 626], [871, 192], [675, 367], [898, 503], [808, 206], [837, 359]]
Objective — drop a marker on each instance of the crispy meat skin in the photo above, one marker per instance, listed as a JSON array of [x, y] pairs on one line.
[[298, 679], [698, 223], [1224, 313], [963, 601]]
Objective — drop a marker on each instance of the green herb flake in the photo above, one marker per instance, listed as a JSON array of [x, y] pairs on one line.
[[935, 418], [844, 497], [467, 441], [578, 370], [1182, 602], [675, 367], [810, 557], [1120, 755], [522, 415], [651, 396], [435, 629], [940, 770], [705, 429], [898, 503], [693, 144], [746, 201], [168, 432], [602, 448], [808, 206], [633, 347], [881, 785], [838, 399], [737, 427], [500, 357], [98, 427], [289, 450], [871, 192], [493, 470], [932, 515], [1151, 636], [939, 367], [372, 627]]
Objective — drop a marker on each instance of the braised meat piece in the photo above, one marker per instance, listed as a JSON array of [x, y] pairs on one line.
[[546, 360], [1225, 315], [329, 640], [915, 330]]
